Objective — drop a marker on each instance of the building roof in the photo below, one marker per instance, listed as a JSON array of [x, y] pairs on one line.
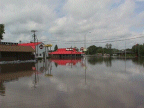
[[15, 48], [30, 44], [66, 51]]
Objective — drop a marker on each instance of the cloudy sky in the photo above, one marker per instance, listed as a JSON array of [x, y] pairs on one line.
[[67, 22]]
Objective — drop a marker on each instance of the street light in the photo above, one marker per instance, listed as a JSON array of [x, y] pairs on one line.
[[85, 40]]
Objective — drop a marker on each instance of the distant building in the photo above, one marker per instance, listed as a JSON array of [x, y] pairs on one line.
[[99, 54], [106, 55], [82, 49], [40, 50], [66, 53]]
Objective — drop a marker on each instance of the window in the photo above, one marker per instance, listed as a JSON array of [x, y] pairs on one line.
[[39, 54]]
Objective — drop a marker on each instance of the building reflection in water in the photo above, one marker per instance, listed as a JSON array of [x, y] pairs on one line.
[[66, 62], [42, 66], [12, 72], [71, 63]]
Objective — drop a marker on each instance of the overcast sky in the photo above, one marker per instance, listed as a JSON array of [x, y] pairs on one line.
[[67, 22]]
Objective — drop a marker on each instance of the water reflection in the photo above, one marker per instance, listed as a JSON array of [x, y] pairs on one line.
[[12, 72], [138, 61], [78, 83], [66, 62], [72, 63], [108, 60], [95, 60], [100, 60], [2, 89], [36, 79], [48, 68]]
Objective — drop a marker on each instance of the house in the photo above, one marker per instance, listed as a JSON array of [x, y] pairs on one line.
[[11, 51], [38, 46], [66, 53]]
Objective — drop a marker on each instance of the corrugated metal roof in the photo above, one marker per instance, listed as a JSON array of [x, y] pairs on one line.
[[9, 48], [64, 51], [30, 44]]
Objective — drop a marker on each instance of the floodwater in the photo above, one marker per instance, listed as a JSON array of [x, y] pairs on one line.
[[75, 83]]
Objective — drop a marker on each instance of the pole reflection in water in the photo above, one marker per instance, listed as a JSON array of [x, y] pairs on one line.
[[48, 68], [125, 64], [85, 69], [36, 77]]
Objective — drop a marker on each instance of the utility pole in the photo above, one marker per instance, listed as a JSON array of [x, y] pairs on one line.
[[34, 36], [125, 49]]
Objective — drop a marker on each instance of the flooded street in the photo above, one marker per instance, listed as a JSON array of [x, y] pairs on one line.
[[75, 83]]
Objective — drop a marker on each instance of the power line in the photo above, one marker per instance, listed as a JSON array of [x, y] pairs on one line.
[[93, 41]]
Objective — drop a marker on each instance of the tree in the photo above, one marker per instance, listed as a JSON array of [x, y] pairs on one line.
[[100, 50], [2, 31], [138, 49], [107, 45], [135, 49], [55, 48], [91, 50], [110, 46]]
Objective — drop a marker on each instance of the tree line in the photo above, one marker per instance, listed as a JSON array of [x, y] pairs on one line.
[[136, 50]]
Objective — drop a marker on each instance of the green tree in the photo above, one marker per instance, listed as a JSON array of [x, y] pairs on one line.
[[135, 49], [100, 50], [109, 48], [2, 31], [55, 48], [138, 49], [91, 50]]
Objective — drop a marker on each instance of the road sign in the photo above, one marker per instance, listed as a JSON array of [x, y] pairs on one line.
[[41, 46]]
